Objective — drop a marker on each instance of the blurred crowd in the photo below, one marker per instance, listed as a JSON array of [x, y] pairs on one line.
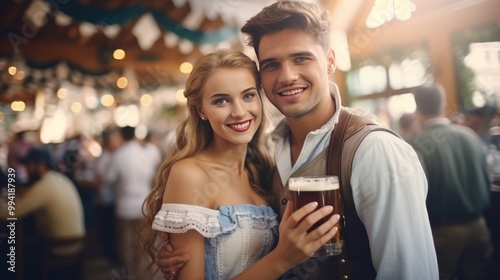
[[485, 124], [97, 183], [109, 176]]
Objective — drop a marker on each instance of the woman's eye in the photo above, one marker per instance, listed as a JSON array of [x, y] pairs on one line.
[[249, 96], [221, 101]]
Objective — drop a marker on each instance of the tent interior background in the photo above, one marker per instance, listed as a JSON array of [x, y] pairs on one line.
[[57, 64], [62, 69]]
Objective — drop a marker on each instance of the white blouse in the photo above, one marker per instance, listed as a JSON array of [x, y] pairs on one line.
[[236, 236]]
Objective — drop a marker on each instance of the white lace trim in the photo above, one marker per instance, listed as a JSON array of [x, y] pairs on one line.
[[179, 218]]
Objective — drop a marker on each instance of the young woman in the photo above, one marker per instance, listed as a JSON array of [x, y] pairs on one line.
[[214, 196]]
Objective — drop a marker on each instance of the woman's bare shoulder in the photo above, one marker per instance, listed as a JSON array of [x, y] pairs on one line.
[[186, 184], [188, 166]]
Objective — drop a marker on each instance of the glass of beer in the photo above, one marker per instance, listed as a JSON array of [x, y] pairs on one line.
[[325, 191]]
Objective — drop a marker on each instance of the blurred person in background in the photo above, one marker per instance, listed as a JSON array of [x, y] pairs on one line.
[[54, 201], [111, 140], [76, 161], [131, 170], [151, 148], [409, 126], [492, 213], [484, 121], [3, 161], [459, 183], [17, 149], [457, 118], [478, 120]]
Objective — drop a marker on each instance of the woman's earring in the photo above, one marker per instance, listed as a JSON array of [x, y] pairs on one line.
[[202, 117]]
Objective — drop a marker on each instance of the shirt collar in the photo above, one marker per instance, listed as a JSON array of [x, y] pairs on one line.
[[435, 121]]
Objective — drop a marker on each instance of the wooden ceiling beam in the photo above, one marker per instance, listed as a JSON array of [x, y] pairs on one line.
[[92, 57]]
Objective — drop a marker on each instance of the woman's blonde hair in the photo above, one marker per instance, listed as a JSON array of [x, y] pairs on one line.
[[194, 135]]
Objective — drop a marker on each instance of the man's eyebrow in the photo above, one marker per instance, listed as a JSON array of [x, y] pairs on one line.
[[267, 60], [305, 53]]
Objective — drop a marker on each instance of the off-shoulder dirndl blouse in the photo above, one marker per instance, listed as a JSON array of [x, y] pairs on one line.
[[236, 236]]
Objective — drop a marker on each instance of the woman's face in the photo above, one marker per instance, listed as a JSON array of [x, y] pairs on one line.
[[232, 105]]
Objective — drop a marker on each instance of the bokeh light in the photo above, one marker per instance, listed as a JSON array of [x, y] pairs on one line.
[[119, 54]]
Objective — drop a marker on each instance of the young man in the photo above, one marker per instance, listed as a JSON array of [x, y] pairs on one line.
[[291, 40]]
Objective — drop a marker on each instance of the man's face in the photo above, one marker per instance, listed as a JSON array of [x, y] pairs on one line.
[[294, 71]]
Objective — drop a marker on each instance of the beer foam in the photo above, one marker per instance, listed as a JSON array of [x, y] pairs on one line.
[[304, 184]]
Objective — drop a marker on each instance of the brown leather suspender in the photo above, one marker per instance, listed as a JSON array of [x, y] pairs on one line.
[[348, 133]]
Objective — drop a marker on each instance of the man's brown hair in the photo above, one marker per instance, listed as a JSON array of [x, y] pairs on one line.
[[309, 17]]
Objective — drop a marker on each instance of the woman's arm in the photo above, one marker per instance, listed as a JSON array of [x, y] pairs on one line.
[[184, 180], [194, 243], [168, 259]]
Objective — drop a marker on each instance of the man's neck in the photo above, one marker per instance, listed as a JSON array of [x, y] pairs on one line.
[[314, 120], [301, 127], [427, 120]]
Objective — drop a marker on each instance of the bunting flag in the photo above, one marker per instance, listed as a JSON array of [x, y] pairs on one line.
[[149, 25]]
